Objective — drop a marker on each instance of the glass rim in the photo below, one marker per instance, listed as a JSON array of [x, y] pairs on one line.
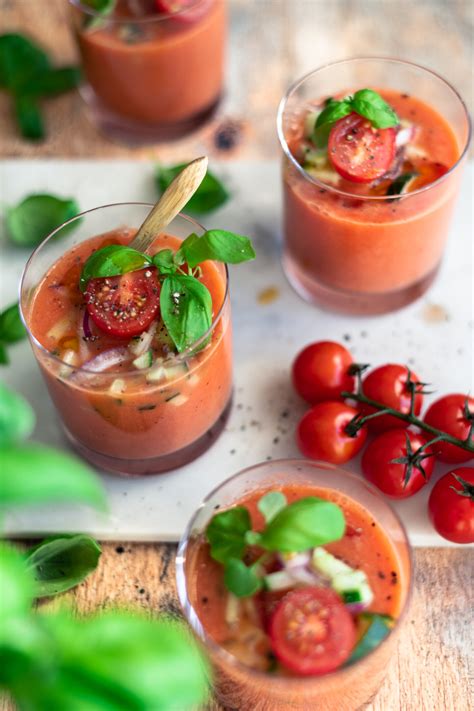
[[169, 360], [192, 616], [330, 188], [144, 20]]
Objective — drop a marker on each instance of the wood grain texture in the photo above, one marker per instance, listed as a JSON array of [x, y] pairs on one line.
[[272, 43]]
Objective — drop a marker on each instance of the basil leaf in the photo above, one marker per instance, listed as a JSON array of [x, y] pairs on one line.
[[29, 222], [102, 6], [20, 60], [210, 195], [16, 584], [11, 325], [34, 474], [369, 104], [378, 628], [304, 524], [186, 309], [52, 81], [29, 118], [226, 533], [219, 245], [333, 111], [17, 419], [399, 185], [62, 562], [241, 580], [271, 504], [164, 261], [113, 260]]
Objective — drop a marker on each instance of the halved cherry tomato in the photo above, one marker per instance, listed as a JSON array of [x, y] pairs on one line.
[[311, 631], [358, 151], [393, 478], [124, 305], [320, 372], [388, 385], [321, 433], [451, 505], [449, 415]]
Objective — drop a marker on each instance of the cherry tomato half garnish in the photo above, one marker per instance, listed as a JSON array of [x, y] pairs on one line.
[[125, 305], [311, 631], [358, 151]]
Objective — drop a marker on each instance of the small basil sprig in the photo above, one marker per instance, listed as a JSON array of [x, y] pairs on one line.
[[365, 102], [26, 73], [36, 216], [210, 195], [11, 330], [289, 528]]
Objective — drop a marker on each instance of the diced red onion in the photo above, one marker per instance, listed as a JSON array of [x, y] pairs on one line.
[[143, 344], [296, 560], [404, 136], [107, 359], [85, 325], [355, 607]]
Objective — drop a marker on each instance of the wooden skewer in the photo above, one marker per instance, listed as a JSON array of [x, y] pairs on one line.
[[175, 197]]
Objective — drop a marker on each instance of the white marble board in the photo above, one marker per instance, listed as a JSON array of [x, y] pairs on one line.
[[433, 335]]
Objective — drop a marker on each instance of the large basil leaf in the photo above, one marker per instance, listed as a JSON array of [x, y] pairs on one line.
[[186, 309]]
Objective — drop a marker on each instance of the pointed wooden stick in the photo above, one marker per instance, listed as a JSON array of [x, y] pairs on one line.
[[175, 197]]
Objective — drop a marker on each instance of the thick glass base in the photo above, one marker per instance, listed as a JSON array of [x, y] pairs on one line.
[[154, 465], [135, 133], [349, 302]]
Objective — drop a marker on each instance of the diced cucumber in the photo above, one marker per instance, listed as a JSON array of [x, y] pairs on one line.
[[177, 400], [281, 580], [351, 596], [325, 175], [378, 628], [232, 609], [157, 373], [70, 358], [344, 579], [144, 361], [309, 123], [60, 328], [173, 372], [193, 379], [317, 159], [118, 386]]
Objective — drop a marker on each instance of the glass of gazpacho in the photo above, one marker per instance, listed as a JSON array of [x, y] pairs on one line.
[[135, 348], [296, 576], [153, 68], [372, 155]]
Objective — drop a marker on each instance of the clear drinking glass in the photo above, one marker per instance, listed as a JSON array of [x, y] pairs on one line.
[[130, 421], [356, 253], [151, 76], [240, 687]]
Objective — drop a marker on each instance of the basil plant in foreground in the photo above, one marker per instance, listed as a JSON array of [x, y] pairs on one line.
[[112, 661]]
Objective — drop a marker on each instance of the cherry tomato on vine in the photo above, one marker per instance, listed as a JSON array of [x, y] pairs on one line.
[[449, 414], [320, 372], [358, 151], [388, 385], [397, 479], [124, 305], [311, 631], [321, 433], [451, 505]]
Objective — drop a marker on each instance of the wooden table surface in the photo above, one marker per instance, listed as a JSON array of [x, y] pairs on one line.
[[272, 43]]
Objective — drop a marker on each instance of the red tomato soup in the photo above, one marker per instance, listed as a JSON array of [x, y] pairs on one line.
[[353, 244], [157, 69], [121, 413], [241, 627]]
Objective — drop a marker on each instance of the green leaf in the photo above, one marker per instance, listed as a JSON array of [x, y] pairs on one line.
[[52, 81], [16, 584], [29, 222], [271, 504], [400, 184], [29, 118], [34, 474], [218, 245], [61, 562], [304, 524], [113, 260], [11, 325], [226, 533], [164, 261], [17, 419], [102, 6], [241, 580], [186, 309], [333, 111], [210, 195], [368, 103], [4, 360], [378, 628], [20, 60]]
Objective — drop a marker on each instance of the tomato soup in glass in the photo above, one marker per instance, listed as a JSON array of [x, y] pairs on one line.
[[132, 405], [153, 68], [306, 638], [368, 205]]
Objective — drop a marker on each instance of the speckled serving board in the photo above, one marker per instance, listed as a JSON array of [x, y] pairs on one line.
[[434, 335]]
